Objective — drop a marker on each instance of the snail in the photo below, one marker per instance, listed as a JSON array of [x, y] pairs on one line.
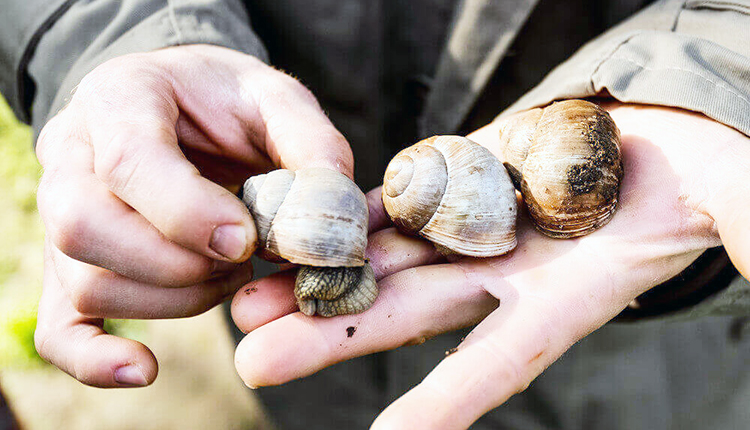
[[316, 218], [454, 193], [565, 160]]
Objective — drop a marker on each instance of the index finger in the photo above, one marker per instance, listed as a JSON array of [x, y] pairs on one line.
[[137, 155], [378, 218]]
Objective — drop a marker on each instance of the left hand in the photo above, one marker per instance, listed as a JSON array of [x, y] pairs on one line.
[[683, 192]]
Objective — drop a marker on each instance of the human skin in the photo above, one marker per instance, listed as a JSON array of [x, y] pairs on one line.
[[683, 191], [136, 169], [135, 195]]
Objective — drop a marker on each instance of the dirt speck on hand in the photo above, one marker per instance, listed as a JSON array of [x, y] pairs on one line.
[[251, 290], [350, 331], [450, 351]]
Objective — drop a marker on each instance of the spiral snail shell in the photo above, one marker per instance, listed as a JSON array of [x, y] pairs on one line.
[[454, 193], [566, 161], [316, 218]]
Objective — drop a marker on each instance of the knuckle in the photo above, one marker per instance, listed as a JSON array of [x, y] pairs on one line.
[[47, 135], [67, 225], [42, 338], [149, 88], [117, 163], [83, 292], [110, 73], [57, 138], [329, 133]]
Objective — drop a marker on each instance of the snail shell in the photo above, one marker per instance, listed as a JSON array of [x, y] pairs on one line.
[[454, 193], [566, 161], [316, 218]]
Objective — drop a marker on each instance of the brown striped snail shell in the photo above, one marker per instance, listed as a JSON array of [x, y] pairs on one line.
[[316, 218], [454, 193], [566, 161]]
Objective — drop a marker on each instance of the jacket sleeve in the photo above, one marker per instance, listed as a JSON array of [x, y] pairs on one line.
[[690, 54], [47, 47]]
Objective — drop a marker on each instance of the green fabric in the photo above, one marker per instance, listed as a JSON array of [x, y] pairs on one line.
[[483, 33], [22, 23], [89, 33], [694, 57]]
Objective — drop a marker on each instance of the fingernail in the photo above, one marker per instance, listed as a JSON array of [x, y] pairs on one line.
[[229, 240], [130, 375]]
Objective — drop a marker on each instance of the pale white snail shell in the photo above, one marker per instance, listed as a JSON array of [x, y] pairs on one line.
[[455, 193], [316, 218]]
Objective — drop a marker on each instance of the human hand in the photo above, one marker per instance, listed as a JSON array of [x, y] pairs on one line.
[[683, 192], [140, 222]]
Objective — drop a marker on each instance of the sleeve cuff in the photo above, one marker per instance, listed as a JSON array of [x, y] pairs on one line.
[[138, 26], [655, 67]]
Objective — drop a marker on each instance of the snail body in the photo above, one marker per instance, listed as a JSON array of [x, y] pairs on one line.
[[565, 160], [454, 193], [316, 218]]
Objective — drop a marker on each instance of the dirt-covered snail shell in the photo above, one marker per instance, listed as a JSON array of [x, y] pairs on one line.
[[454, 193], [566, 161], [316, 218]]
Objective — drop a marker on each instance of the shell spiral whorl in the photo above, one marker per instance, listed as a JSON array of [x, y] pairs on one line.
[[454, 193], [414, 185]]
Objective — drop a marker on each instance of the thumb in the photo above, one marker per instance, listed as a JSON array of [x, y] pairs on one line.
[[273, 111]]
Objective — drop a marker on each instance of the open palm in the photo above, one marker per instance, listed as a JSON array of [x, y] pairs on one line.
[[683, 173]]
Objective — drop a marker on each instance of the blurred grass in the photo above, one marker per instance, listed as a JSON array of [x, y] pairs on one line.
[[22, 240], [22, 236]]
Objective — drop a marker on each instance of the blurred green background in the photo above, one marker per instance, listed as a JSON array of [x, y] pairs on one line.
[[197, 386], [22, 234]]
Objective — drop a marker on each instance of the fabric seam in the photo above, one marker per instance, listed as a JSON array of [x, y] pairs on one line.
[[174, 22], [28, 51], [676, 21], [717, 84], [717, 5], [609, 55]]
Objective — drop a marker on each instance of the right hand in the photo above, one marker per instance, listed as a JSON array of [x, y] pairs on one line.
[[684, 190], [135, 200]]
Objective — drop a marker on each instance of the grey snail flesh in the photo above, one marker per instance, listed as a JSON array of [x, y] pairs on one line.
[[566, 161], [331, 291], [316, 218]]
